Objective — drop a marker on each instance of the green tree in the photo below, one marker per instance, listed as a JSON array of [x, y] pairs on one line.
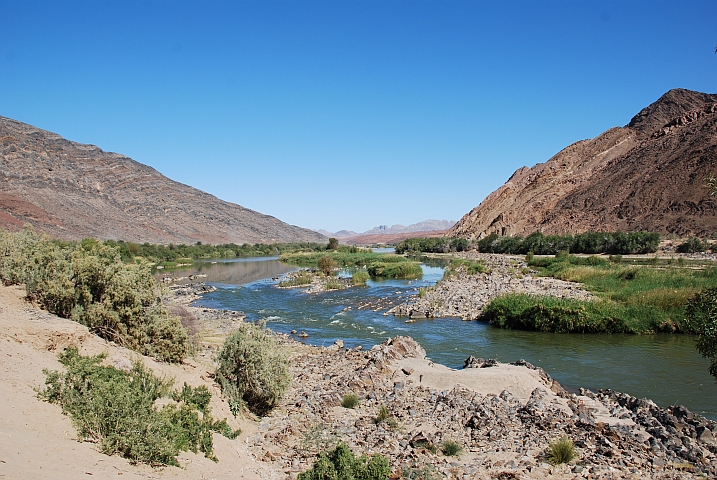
[[333, 244], [702, 316]]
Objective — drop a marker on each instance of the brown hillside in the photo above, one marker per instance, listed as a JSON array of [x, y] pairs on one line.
[[72, 191], [648, 175]]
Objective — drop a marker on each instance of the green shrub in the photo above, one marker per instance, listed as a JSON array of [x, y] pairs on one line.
[[451, 448], [350, 400], [382, 415], [432, 245], [471, 267], [342, 464], [326, 264], [335, 284], [89, 283], [590, 242], [561, 450], [116, 410], [701, 313], [404, 270], [198, 397], [298, 279], [693, 245], [360, 277], [253, 369]]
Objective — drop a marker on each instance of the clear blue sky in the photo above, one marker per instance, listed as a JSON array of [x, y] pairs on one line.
[[346, 114]]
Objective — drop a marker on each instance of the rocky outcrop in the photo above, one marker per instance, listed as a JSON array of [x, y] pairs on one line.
[[648, 175], [72, 191], [503, 434], [464, 295]]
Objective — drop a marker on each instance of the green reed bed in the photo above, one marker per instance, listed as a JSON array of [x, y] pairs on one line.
[[378, 265], [345, 259], [629, 299]]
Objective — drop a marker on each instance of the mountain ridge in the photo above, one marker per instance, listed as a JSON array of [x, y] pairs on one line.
[[71, 190], [647, 175], [430, 225]]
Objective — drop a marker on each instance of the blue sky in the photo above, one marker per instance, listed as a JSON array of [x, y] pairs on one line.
[[346, 114]]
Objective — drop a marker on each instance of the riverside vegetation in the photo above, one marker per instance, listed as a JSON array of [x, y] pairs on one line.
[[89, 283], [629, 299], [377, 265]]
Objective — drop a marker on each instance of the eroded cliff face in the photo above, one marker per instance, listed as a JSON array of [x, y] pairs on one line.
[[72, 191], [648, 175]]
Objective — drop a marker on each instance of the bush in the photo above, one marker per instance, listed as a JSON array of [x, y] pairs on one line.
[[382, 414], [360, 277], [590, 242], [342, 464], [693, 245], [701, 313], [470, 266], [404, 270], [253, 370], [116, 410], [89, 283], [561, 450], [432, 245], [326, 265], [350, 400], [451, 448]]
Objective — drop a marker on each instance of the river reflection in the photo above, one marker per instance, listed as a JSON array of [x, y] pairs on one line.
[[665, 368]]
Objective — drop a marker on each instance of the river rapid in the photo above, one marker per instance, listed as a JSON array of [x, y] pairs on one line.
[[664, 368]]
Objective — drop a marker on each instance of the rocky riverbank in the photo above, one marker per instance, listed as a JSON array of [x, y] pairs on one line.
[[464, 295], [503, 416]]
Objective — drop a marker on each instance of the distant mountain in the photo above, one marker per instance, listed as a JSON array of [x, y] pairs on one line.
[[71, 191], [339, 234], [648, 175], [424, 226]]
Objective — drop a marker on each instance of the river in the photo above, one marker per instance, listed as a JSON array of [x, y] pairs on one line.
[[665, 368]]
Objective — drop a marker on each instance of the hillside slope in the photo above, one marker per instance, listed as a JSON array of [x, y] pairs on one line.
[[648, 175], [72, 191]]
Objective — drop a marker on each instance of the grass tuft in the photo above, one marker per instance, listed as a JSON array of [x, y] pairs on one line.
[[561, 450], [451, 448], [350, 400]]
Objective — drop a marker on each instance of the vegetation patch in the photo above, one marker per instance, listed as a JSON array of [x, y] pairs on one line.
[[590, 243], [341, 463], [561, 450], [360, 277], [89, 283], [301, 278], [471, 267], [175, 254], [253, 369], [341, 258], [451, 448], [432, 245], [116, 410], [350, 400], [404, 270], [630, 299], [702, 317]]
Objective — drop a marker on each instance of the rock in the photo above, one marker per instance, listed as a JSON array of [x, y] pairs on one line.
[[339, 343], [706, 436], [472, 362]]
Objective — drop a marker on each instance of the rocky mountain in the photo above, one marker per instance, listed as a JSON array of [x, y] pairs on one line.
[[71, 191], [424, 226], [648, 175]]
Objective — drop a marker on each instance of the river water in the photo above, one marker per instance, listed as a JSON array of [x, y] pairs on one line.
[[664, 368]]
